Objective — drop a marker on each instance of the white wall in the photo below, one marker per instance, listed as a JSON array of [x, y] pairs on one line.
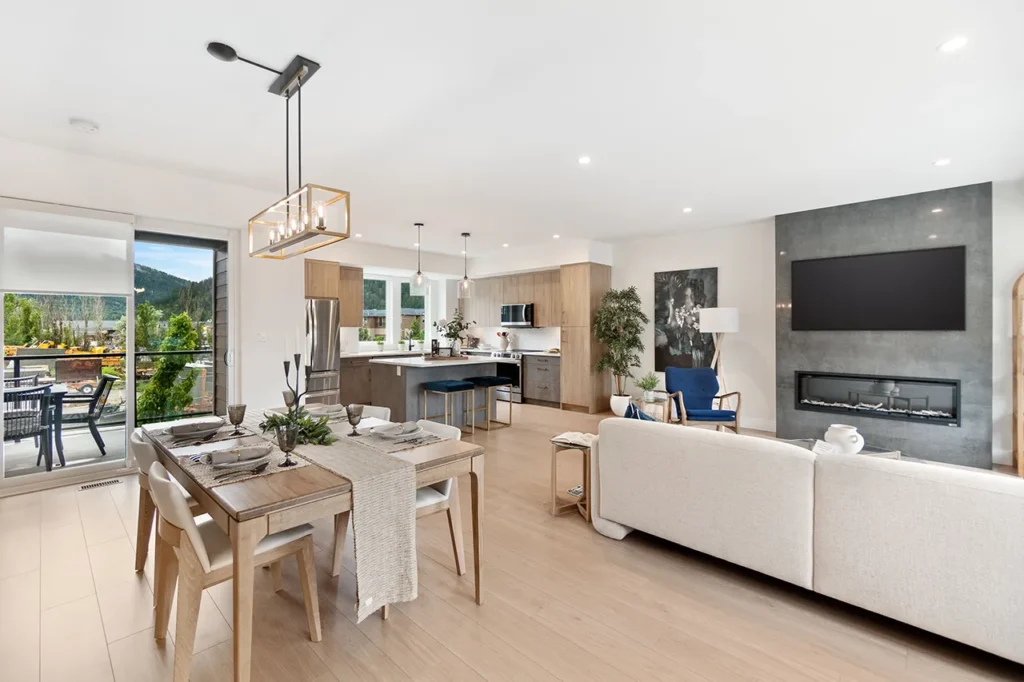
[[745, 258], [1007, 265], [544, 255]]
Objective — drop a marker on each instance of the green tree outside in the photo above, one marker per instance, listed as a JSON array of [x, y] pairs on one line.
[[169, 391]]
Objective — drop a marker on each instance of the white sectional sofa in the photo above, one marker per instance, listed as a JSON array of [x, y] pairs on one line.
[[936, 546]]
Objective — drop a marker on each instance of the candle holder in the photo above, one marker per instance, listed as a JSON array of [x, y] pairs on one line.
[[294, 408]]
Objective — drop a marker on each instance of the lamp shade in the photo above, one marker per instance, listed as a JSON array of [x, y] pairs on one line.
[[720, 320]]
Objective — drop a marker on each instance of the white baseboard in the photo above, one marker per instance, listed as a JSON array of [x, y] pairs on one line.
[[758, 424], [1002, 457]]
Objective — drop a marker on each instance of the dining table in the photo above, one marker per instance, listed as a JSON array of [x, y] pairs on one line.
[[253, 508]]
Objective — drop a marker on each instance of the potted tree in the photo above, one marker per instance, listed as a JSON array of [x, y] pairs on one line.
[[619, 326]]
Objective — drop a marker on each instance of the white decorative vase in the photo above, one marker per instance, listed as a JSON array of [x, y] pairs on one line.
[[844, 439], [648, 396], [505, 343], [619, 404], [455, 347]]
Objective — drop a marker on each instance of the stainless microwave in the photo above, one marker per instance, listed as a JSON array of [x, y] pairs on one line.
[[517, 315]]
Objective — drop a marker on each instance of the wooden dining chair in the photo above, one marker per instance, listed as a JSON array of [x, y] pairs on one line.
[[145, 455], [199, 555], [431, 499]]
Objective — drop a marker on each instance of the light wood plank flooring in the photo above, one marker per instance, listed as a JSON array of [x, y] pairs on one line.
[[562, 602]]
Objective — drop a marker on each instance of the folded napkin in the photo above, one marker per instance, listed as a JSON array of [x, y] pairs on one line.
[[327, 411], [196, 426], [239, 454]]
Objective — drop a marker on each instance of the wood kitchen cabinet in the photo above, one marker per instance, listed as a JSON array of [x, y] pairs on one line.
[[547, 299], [541, 379], [525, 289], [322, 279], [350, 296], [355, 381], [583, 388]]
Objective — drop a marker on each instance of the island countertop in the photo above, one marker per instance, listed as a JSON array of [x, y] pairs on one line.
[[420, 362]]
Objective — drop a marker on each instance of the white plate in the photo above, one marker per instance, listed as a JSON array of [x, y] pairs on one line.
[[243, 463], [396, 430]]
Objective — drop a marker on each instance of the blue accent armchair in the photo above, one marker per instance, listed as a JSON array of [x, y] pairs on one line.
[[693, 390]]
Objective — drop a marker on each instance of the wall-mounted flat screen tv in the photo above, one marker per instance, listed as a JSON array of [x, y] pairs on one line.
[[904, 290]]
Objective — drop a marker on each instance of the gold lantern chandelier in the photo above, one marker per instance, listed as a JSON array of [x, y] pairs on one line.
[[306, 218]]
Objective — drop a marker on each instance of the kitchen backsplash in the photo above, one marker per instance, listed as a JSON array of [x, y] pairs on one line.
[[541, 338]]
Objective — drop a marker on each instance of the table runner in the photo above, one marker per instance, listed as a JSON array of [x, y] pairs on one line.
[[383, 515]]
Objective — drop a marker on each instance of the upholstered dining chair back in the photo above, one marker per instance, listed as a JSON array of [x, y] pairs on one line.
[[143, 452], [699, 386], [174, 509], [377, 412], [444, 431]]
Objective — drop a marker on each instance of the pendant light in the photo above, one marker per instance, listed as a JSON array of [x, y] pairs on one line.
[[418, 283], [310, 216], [466, 284]]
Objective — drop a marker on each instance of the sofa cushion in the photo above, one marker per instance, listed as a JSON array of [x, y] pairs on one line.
[[938, 547], [711, 415], [743, 499]]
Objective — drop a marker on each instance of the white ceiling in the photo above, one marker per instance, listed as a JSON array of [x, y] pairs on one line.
[[471, 115]]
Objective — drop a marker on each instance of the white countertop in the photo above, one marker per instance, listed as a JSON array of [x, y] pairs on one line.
[[420, 362], [380, 353], [521, 352]]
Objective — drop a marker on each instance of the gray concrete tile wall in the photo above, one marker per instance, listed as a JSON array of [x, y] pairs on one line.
[[896, 224]]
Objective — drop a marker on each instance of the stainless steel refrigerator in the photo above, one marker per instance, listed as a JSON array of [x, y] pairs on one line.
[[323, 339]]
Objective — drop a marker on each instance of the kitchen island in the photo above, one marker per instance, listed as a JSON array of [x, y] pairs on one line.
[[397, 382]]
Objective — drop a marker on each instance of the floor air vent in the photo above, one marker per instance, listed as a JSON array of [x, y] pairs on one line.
[[100, 484]]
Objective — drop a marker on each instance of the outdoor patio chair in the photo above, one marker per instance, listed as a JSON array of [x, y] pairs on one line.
[[28, 414], [96, 403]]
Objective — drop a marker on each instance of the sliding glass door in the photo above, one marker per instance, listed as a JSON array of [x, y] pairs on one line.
[[65, 275]]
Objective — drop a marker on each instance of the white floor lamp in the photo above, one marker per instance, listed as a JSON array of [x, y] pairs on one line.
[[719, 322]]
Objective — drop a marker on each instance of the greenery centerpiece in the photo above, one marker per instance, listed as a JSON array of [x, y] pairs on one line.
[[296, 426], [453, 329], [619, 326]]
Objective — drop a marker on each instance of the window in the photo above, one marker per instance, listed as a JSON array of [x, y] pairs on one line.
[[375, 310], [413, 314]]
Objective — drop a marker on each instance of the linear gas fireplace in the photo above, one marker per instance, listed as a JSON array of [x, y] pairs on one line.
[[929, 401]]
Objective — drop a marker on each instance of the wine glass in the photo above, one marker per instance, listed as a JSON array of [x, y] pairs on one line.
[[355, 415], [236, 415], [286, 438]]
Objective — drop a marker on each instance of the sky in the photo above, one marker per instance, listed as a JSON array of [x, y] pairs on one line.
[[194, 265]]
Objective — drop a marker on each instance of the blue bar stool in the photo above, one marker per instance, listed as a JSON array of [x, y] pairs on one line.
[[449, 388], [490, 383]]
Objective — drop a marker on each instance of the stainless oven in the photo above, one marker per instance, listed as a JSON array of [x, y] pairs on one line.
[[511, 368], [517, 315]]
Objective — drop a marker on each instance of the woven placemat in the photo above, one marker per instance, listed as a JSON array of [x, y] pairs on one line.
[[391, 445], [170, 440], [206, 474]]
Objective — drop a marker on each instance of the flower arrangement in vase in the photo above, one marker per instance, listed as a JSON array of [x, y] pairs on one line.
[[506, 340], [453, 329]]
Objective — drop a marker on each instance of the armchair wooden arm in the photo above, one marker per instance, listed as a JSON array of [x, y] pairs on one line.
[[739, 401], [680, 405]]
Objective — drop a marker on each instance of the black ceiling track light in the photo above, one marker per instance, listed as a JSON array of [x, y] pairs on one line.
[[298, 223]]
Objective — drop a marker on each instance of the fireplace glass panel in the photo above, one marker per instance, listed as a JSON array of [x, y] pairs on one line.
[[912, 399]]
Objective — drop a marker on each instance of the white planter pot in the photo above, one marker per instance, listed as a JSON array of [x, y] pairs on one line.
[[619, 404], [648, 396]]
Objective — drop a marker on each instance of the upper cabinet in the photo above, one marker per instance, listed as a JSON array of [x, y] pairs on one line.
[[547, 299], [350, 296], [322, 279]]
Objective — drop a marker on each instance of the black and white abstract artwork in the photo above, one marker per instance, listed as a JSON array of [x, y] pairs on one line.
[[678, 298]]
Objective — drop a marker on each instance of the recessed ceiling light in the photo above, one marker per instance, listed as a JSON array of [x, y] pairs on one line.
[[555, 236], [463, 253], [584, 160], [953, 44], [416, 244], [782, 253], [942, 162], [358, 234], [687, 210], [84, 125], [504, 246], [936, 210], [933, 236]]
